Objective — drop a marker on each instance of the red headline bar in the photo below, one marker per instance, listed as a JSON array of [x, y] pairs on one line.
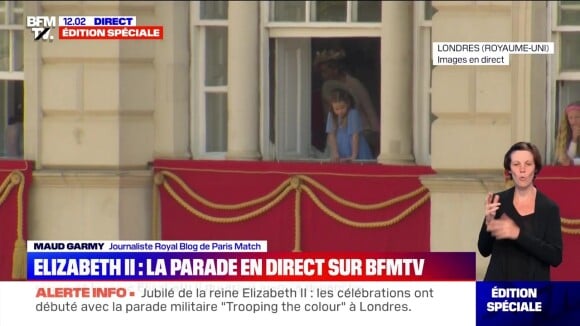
[[110, 33]]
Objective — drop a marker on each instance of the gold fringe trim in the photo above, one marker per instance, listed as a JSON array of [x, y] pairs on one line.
[[298, 183], [16, 178], [570, 225]]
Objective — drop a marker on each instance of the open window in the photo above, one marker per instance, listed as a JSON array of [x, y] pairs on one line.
[[297, 31], [299, 110], [11, 79], [564, 67]]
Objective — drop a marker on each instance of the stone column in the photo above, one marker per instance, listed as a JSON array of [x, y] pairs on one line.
[[481, 111], [243, 81], [396, 82], [172, 83]]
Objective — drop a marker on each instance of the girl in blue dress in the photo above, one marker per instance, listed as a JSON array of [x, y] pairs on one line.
[[344, 127]]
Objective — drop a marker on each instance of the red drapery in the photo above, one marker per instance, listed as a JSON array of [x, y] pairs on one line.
[[15, 180], [562, 184], [231, 182], [315, 220]]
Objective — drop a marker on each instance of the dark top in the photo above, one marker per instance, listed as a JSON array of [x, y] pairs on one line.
[[539, 245]]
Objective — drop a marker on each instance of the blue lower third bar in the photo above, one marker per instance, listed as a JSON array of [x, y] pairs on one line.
[[528, 303]]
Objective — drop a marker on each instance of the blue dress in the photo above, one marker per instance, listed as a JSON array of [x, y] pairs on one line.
[[344, 136]]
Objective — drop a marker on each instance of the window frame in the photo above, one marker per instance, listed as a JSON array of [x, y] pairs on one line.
[[308, 28], [309, 10], [555, 75], [199, 90], [10, 75], [422, 70], [268, 30]]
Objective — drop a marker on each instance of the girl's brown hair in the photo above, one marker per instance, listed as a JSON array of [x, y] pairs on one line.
[[338, 95]]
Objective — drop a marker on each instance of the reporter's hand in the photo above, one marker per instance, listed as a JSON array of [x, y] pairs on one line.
[[503, 228], [491, 206]]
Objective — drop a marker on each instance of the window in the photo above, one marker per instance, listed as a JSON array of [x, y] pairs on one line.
[[11, 78], [565, 64], [290, 36], [210, 77], [325, 11], [422, 68], [298, 34]]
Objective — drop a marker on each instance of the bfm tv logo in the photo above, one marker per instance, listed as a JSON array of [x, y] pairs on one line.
[[41, 26]]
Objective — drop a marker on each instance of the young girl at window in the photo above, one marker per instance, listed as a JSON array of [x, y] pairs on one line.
[[344, 127]]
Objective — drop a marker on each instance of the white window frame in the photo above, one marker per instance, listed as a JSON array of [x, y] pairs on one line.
[[421, 85], [11, 74], [198, 87], [268, 29], [308, 28], [298, 29], [554, 33], [351, 13]]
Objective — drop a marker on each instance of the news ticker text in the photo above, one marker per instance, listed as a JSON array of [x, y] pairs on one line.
[[208, 279]]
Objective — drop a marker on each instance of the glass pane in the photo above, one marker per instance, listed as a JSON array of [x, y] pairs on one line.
[[213, 10], [216, 122], [329, 11], [368, 11], [17, 16], [429, 10], [288, 11], [2, 12], [569, 58], [18, 55], [567, 92], [569, 13], [11, 118], [216, 56], [4, 50]]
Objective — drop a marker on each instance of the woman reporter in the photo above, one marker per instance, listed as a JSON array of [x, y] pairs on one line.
[[521, 229]]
